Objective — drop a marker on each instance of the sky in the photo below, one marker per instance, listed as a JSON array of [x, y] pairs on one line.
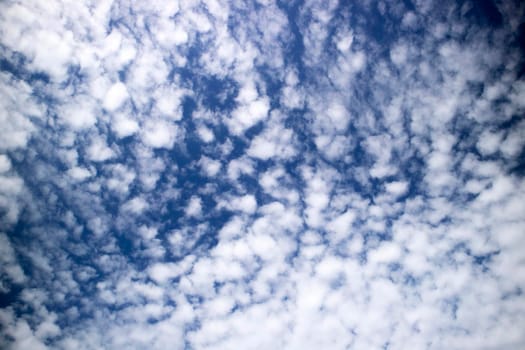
[[262, 174]]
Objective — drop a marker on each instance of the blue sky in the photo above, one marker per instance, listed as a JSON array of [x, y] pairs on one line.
[[262, 175]]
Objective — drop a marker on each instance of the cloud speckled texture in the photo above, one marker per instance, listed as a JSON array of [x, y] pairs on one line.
[[262, 175]]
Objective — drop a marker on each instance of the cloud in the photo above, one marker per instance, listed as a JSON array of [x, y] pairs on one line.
[[225, 175], [159, 134], [161, 273], [194, 208], [252, 109], [79, 173], [247, 204], [210, 166], [10, 265], [274, 142], [79, 114], [397, 188], [205, 134], [98, 151], [12, 189], [18, 106], [5, 163], [135, 205], [124, 126], [115, 97]]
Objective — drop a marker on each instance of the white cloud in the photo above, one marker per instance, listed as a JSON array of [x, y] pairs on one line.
[[358, 61], [210, 166], [180, 36], [386, 253], [18, 105], [489, 142], [79, 173], [514, 142], [249, 115], [397, 188], [122, 178], [205, 134], [99, 151], [239, 166], [135, 205], [326, 248], [161, 273], [115, 97], [274, 142], [168, 102], [159, 134], [20, 333], [5, 164], [50, 52], [398, 54], [345, 42], [124, 126], [252, 109], [247, 204], [79, 114], [499, 189], [11, 190], [194, 207], [338, 115], [341, 226], [9, 263]]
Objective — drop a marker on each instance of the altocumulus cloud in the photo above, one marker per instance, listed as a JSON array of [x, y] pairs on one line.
[[262, 174]]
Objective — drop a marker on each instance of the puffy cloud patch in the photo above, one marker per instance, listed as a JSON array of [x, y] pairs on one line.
[[159, 133], [115, 97]]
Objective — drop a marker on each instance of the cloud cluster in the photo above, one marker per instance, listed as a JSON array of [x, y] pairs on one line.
[[253, 175]]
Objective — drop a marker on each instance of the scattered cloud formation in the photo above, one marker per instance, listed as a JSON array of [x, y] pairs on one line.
[[264, 174]]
